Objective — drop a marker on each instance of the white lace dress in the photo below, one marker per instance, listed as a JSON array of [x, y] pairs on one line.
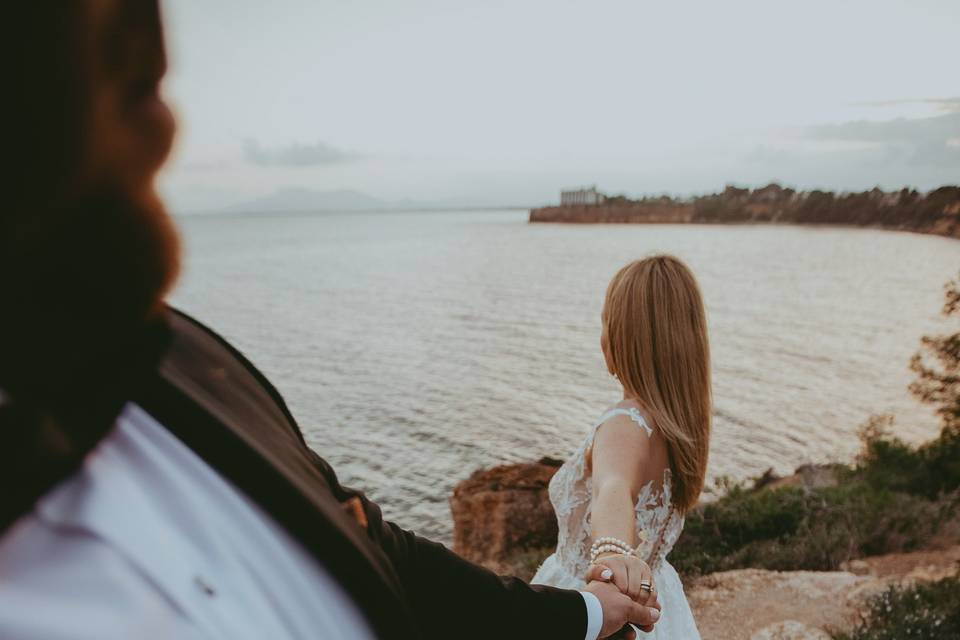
[[571, 492]]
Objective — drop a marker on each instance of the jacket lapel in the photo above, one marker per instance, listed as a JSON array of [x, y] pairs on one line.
[[208, 396]]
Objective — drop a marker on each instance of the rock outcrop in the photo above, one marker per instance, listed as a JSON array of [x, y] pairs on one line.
[[808, 476], [500, 513], [643, 212]]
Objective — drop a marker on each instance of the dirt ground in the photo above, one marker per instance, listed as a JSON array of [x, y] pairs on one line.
[[752, 604]]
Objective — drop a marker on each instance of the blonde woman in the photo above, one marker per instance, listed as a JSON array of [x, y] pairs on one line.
[[621, 498]]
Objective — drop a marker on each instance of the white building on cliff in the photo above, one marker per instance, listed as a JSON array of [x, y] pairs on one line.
[[581, 196]]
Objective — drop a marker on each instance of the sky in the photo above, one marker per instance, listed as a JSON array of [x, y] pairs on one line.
[[490, 103]]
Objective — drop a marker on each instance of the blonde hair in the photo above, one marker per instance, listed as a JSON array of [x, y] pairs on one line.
[[657, 336]]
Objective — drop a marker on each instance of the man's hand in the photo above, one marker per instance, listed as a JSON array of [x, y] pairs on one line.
[[619, 609], [630, 575]]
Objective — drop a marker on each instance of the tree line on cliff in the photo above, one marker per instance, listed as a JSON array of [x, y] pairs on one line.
[[906, 208], [937, 211]]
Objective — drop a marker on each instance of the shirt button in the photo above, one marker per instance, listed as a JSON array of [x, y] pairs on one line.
[[204, 586]]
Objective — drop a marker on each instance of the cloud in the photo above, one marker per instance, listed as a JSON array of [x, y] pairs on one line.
[[295, 155], [923, 152], [204, 165], [918, 141], [950, 105]]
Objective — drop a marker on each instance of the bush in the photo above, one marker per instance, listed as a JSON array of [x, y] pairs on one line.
[[928, 471], [814, 529], [925, 611], [894, 498]]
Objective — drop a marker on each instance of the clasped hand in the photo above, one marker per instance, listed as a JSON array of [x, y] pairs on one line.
[[619, 582]]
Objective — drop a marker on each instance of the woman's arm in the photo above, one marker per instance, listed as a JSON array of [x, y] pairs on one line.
[[620, 451], [455, 598]]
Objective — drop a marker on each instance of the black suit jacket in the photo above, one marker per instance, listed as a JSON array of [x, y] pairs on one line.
[[215, 401]]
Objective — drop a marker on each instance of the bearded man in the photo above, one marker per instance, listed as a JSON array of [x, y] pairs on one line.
[[154, 483]]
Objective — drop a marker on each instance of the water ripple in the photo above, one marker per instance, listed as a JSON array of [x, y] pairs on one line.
[[416, 348]]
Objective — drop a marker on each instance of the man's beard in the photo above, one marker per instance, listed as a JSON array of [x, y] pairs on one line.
[[81, 291], [80, 285]]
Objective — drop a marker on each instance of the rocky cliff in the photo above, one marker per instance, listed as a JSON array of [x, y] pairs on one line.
[[640, 212], [503, 520], [936, 212]]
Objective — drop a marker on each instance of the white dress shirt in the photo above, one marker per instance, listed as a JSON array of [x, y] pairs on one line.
[[148, 541]]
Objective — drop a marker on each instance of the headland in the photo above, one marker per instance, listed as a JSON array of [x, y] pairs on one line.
[[936, 212]]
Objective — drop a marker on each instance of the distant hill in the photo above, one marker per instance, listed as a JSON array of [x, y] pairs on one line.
[[298, 199]]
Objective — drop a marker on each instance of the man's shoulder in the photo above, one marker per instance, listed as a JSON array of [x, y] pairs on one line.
[[186, 327], [200, 358]]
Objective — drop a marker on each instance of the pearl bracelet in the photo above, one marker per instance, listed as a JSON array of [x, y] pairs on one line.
[[596, 554], [610, 544], [595, 551], [610, 540]]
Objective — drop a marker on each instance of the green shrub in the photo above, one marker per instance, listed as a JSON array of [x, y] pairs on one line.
[[894, 498], [928, 470], [795, 528], [925, 612]]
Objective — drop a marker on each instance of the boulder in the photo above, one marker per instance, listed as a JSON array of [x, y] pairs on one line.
[[500, 513], [808, 476]]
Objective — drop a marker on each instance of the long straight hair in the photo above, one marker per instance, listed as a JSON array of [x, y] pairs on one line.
[[657, 334]]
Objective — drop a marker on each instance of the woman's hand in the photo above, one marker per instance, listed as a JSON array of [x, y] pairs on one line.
[[620, 613], [631, 575]]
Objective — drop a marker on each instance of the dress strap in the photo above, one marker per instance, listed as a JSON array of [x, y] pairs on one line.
[[630, 412]]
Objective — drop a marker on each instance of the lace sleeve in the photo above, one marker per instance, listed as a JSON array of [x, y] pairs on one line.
[[632, 413]]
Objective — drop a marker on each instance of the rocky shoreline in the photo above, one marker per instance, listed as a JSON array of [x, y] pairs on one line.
[[503, 520], [935, 213]]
